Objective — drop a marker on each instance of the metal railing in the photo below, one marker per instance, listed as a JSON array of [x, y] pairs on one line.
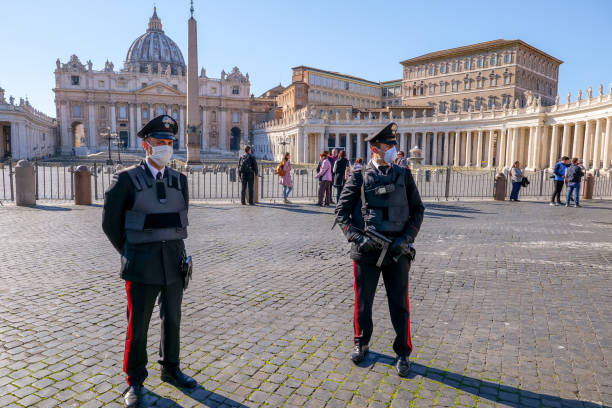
[[220, 181]]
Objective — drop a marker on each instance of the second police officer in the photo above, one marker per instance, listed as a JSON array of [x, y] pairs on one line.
[[145, 219], [382, 198]]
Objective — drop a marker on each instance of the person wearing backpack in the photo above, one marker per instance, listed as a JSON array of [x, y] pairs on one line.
[[573, 176], [247, 171], [284, 172]]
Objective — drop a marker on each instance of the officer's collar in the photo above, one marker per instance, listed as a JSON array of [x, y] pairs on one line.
[[152, 171], [376, 166]]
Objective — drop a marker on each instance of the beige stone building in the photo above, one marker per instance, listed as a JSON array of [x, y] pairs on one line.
[[25, 133], [152, 82], [485, 75]]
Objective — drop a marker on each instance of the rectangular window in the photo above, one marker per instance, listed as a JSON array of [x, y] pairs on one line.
[[122, 112], [76, 111], [480, 63], [160, 111], [346, 86], [122, 83], [443, 68], [454, 67], [213, 90], [491, 102], [478, 104], [236, 90], [235, 117], [145, 114], [144, 85], [100, 84], [507, 58], [75, 79], [466, 104]]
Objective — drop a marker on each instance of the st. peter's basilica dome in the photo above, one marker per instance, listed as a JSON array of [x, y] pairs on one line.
[[156, 49]]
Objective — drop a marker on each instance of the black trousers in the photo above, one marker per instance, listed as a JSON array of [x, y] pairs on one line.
[[141, 300], [395, 277], [247, 181], [557, 192]]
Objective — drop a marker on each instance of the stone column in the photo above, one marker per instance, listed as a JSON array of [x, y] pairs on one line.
[[113, 118], [457, 146], [490, 149], [65, 134], [434, 153], [536, 147], [321, 143], [203, 135], [501, 148], [578, 136], [586, 151], [91, 121], [446, 138], [468, 148], [223, 139], [424, 147], [182, 128], [565, 148], [360, 145], [530, 149], [411, 141], [244, 118], [514, 132], [151, 113], [479, 150], [515, 146], [403, 143], [132, 139], [607, 143], [299, 145], [597, 144], [138, 118], [349, 147], [554, 146]]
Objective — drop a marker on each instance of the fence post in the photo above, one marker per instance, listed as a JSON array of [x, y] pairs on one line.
[[11, 179], [500, 187], [72, 182], [542, 181], [95, 177], [261, 190], [82, 195], [447, 187], [25, 186], [36, 177]]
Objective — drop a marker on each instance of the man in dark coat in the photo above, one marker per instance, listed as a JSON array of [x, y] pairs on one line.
[[383, 198], [145, 219], [247, 171]]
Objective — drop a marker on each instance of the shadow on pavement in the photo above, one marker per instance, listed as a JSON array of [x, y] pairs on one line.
[[204, 397], [495, 392], [449, 211], [297, 208]]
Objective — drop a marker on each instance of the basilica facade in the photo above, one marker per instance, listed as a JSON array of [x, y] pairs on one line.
[[92, 104]]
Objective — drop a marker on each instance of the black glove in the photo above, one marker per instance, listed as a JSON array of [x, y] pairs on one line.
[[364, 244], [400, 245]]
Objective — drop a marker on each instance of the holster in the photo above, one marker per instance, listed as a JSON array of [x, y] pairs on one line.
[[186, 270]]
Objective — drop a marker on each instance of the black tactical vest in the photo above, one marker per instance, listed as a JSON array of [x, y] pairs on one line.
[[159, 212], [386, 213]]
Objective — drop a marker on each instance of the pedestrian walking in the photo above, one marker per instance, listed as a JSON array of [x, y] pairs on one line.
[[559, 179], [284, 172], [358, 164], [517, 180], [381, 200], [573, 175], [145, 219], [247, 171], [401, 160], [325, 175], [340, 173]]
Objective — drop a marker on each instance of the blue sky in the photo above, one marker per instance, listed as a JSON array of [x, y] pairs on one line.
[[267, 37]]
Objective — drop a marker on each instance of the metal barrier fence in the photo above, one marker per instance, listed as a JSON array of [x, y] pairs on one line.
[[55, 181]]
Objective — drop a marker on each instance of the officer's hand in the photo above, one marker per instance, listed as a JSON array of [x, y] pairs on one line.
[[399, 243], [365, 244]]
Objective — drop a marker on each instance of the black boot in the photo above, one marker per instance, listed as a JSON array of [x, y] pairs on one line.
[[176, 377], [402, 365], [359, 353], [132, 396]]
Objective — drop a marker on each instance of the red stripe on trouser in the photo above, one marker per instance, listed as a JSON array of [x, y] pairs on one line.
[[355, 312], [408, 342], [128, 339]]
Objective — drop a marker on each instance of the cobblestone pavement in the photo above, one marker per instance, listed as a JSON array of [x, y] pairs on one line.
[[511, 306]]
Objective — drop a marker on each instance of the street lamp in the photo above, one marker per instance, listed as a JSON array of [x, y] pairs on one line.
[[108, 135], [119, 144], [284, 143]]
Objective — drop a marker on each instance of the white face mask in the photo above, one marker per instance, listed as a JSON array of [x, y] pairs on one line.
[[390, 155], [160, 154]]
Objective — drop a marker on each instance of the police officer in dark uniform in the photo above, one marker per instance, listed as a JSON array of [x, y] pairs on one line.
[[383, 198], [145, 219]]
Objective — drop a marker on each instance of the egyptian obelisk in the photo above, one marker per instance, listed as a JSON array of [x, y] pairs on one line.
[[193, 107]]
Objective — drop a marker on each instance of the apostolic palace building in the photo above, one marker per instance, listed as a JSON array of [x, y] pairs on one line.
[[483, 105]]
